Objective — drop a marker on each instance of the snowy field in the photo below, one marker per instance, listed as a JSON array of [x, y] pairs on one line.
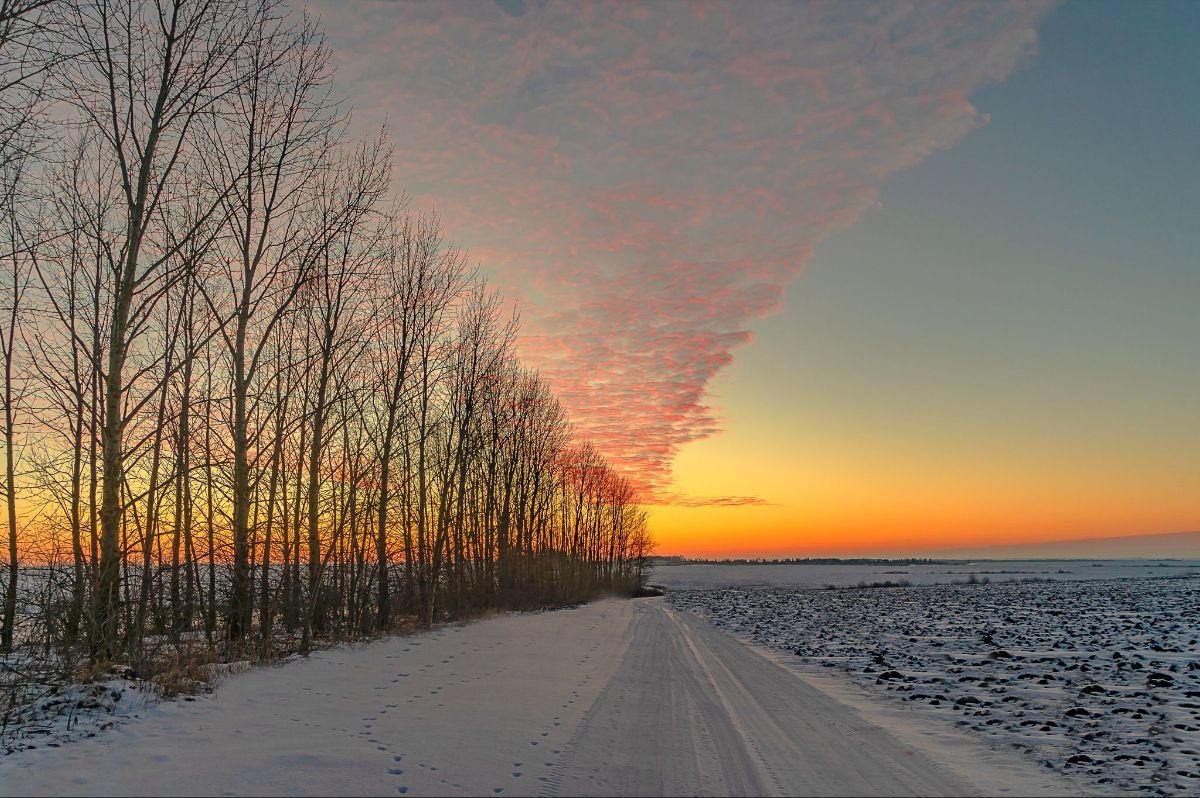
[[1095, 678], [706, 576]]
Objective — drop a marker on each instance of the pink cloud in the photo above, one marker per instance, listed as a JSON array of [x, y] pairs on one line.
[[647, 181]]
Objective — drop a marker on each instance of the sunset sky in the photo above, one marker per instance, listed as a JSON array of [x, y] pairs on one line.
[[829, 278]]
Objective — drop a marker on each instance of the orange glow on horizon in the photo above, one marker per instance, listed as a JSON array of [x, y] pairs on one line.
[[887, 501], [703, 533]]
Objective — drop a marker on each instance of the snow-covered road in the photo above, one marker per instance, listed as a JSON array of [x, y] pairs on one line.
[[613, 698], [693, 711]]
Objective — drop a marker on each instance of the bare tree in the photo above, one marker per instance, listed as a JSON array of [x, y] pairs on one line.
[[15, 260], [286, 131], [149, 78], [336, 301], [27, 51], [422, 278]]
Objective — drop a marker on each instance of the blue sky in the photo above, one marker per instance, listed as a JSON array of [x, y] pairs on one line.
[[1022, 306]]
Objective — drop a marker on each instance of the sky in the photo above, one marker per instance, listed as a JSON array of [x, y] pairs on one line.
[[829, 278]]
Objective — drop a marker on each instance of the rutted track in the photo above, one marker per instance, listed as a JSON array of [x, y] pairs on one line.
[[692, 711]]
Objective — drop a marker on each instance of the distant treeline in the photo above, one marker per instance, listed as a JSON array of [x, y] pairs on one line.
[[798, 561]]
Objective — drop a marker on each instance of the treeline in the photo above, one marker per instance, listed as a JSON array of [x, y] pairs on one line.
[[676, 560], [246, 398]]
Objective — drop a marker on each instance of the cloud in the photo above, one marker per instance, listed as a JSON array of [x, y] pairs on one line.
[[714, 501], [649, 178]]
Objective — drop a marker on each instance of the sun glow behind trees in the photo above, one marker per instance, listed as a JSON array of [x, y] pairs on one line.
[[246, 392]]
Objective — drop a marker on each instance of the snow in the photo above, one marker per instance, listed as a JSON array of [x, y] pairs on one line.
[[1099, 679], [61, 713], [479, 709], [706, 576], [616, 697], [693, 711]]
